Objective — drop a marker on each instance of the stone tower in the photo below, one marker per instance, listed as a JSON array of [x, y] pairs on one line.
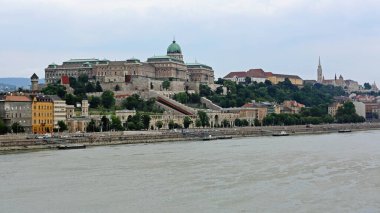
[[34, 82], [84, 108], [319, 70]]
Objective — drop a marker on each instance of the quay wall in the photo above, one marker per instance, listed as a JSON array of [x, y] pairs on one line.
[[19, 142]]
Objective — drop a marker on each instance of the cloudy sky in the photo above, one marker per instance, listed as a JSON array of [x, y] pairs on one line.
[[281, 36]]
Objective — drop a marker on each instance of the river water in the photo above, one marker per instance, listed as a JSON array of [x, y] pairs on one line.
[[312, 173]]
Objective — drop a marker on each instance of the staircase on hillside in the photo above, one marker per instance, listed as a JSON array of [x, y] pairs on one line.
[[172, 105], [209, 104]]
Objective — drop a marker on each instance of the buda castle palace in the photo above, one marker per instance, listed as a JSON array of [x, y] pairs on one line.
[[132, 74]]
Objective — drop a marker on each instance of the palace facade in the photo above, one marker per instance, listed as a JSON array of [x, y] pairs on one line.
[[170, 66]]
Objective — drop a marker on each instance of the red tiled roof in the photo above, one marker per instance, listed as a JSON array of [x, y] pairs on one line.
[[258, 73], [17, 98], [236, 74]]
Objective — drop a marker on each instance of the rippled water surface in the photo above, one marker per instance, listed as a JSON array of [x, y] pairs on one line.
[[313, 173]]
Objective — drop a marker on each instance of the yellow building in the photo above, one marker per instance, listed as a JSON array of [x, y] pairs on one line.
[[42, 115], [277, 78]]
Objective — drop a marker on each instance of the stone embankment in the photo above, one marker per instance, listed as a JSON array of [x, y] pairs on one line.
[[23, 142]]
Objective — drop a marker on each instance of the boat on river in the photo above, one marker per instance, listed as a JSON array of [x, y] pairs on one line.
[[209, 138], [344, 130], [282, 133], [71, 146]]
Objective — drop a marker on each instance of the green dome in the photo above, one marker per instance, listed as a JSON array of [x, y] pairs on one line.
[[174, 48]]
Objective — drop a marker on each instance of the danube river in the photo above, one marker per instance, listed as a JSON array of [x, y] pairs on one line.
[[310, 173]]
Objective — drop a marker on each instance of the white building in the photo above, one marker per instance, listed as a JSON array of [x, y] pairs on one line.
[[59, 110], [360, 108]]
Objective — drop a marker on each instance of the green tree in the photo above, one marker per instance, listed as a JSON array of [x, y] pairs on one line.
[[54, 89], [70, 99], [219, 90], [244, 122], [83, 78], [248, 80], [225, 123], [116, 123], [17, 128], [62, 126], [159, 124], [367, 86], [181, 97], [146, 120], [237, 122], [186, 122], [95, 102], [257, 122], [347, 114], [91, 126], [205, 120], [3, 128], [90, 87], [205, 90], [108, 100], [198, 123], [171, 124], [166, 84], [98, 87]]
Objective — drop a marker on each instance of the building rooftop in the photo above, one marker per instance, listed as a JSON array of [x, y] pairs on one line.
[[239, 74], [198, 65], [34, 76], [163, 58], [16, 98], [174, 48]]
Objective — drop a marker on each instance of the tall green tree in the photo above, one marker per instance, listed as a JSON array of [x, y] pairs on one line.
[[187, 122], [98, 87], [95, 102], [3, 128], [108, 100], [159, 124], [205, 120], [146, 120], [92, 127], [367, 86], [116, 123], [181, 97], [166, 85], [62, 126], [17, 128]]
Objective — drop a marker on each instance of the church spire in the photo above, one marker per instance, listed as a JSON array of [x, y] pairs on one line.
[[319, 72]]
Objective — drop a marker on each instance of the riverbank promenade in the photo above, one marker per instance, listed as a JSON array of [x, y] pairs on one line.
[[30, 142]]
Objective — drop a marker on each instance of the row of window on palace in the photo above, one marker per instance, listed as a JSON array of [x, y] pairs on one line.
[[42, 121]]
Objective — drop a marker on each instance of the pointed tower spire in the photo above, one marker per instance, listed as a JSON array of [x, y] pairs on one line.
[[319, 71]]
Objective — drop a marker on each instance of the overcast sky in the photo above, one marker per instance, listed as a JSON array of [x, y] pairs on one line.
[[281, 36]]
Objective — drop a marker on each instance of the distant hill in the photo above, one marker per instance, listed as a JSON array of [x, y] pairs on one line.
[[18, 82]]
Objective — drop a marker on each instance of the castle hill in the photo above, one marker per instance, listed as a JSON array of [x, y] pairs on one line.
[[167, 95]]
